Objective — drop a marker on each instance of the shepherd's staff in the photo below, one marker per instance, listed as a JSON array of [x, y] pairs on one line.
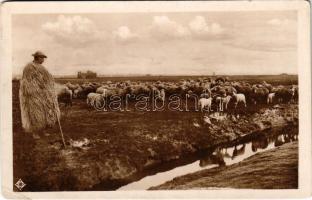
[[59, 123]]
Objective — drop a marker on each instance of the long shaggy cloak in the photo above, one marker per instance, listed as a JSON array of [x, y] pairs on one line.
[[38, 100]]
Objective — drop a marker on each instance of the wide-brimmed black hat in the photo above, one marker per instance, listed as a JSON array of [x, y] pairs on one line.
[[39, 54]]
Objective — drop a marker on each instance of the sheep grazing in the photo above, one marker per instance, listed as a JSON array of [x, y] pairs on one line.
[[101, 90], [108, 92], [270, 98], [225, 101], [203, 95], [220, 80], [91, 98], [239, 98], [173, 89], [203, 102], [64, 94], [284, 94], [71, 86], [162, 95], [229, 89], [95, 100], [222, 101], [206, 93], [159, 94], [296, 95], [268, 86], [259, 94], [84, 90], [77, 91], [244, 88], [218, 90], [218, 101]]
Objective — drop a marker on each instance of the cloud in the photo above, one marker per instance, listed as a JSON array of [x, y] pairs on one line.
[[73, 30], [165, 28], [123, 34], [199, 27], [278, 22]]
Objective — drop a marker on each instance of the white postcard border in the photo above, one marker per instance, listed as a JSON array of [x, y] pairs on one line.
[[304, 72]]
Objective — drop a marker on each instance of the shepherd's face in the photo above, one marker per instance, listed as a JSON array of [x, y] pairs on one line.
[[40, 60]]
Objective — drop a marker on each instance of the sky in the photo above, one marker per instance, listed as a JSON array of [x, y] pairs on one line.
[[189, 43]]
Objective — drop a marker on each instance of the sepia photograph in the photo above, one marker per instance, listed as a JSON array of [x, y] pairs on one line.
[[139, 97]]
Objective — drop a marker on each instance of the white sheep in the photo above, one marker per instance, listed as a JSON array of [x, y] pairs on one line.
[[162, 95], [95, 99], [219, 101], [159, 94], [101, 90], [91, 98], [225, 101], [76, 91], [203, 102], [239, 98], [270, 98]]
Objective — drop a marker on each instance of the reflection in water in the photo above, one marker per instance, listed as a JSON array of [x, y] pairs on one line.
[[238, 152], [216, 158], [285, 138], [221, 156], [260, 143]]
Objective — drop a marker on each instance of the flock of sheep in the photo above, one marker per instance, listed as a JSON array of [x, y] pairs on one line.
[[218, 92]]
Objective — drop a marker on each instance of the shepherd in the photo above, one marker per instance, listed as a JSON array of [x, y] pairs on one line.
[[38, 100]]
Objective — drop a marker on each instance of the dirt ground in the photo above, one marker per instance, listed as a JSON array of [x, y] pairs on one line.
[[123, 144], [273, 169]]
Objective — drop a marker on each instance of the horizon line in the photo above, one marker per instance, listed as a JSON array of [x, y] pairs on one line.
[[164, 75]]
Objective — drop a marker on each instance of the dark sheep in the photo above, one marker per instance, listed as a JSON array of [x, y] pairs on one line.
[[259, 95], [284, 94]]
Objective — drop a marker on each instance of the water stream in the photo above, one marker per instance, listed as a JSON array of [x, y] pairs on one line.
[[220, 156]]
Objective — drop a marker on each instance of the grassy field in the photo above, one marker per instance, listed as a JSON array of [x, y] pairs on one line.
[[122, 144], [272, 79]]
